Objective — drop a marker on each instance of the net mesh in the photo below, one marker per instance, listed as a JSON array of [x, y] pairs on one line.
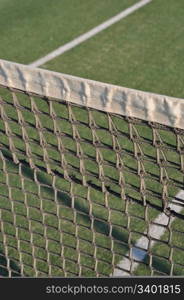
[[87, 193]]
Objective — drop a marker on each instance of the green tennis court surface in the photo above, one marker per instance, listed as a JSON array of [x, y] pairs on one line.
[[36, 28], [143, 51]]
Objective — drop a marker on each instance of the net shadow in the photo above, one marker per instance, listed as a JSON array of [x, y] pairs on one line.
[[6, 266], [63, 199]]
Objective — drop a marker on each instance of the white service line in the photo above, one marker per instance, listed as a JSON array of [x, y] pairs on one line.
[[139, 251], [89, 34]]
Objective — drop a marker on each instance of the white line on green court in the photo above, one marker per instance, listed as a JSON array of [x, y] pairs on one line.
[[139, 251], [89, 34]]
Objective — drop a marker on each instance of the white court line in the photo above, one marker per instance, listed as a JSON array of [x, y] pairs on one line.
[[155, 231], [89, 34]]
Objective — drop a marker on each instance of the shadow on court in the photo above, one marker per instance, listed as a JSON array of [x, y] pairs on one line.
[[4, 270], [99, 226]]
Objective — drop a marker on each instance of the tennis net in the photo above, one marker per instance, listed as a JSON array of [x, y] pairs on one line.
[[91, 177]]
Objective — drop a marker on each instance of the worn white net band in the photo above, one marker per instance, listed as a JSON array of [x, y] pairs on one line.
[[109, 98]]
